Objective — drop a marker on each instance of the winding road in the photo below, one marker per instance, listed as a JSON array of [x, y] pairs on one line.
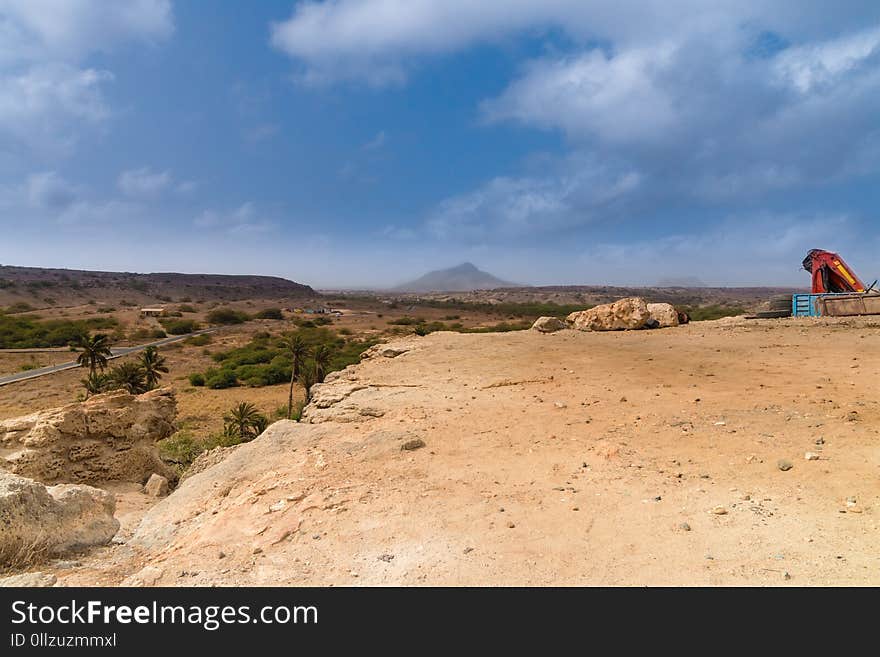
[[116, 353]]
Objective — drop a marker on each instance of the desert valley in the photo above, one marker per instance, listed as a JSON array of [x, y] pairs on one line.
[[435, 437]]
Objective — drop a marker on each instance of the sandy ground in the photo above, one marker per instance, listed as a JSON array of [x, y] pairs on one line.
[[630, 458]]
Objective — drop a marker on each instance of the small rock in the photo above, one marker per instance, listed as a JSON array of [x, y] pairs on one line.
[[820, 441], [415, 443], [811, 456], [387, 558], [784, 465], [684, 527], [468, 550], [786, 576], [559, 404], [548, 324], [511, 525], [147, 576], [33, 580], [156, 486], [719, 511]]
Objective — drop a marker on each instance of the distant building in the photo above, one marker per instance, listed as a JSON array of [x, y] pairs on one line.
[[152, 312]]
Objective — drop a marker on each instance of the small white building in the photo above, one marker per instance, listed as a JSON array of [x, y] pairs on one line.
[[152, 312]]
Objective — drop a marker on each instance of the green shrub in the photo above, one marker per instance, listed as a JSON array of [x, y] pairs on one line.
[[20, 307], [270, 313], [198, 340], [217, 379], [186, 309], [196, 379], [227, 316], [714, 311], [28, 331], [179, 326]]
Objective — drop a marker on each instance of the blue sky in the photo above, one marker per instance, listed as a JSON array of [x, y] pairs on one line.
[[356, 143]]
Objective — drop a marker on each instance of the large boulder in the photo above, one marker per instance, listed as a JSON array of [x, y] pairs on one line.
[[627, 313], [548, 324], [664, 314], [109, 437], [38, 521]]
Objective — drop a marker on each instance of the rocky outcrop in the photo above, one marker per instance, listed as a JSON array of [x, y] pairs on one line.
[[548, 324], [664, 314], [628, 313], [37, 521], [207, 459], [110, 437], [32, 580], [387, 350]]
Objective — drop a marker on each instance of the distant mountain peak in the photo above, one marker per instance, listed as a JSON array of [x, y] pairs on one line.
[[461, 278]]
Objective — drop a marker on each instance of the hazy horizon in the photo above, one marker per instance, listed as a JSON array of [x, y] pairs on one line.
[[358, 144]]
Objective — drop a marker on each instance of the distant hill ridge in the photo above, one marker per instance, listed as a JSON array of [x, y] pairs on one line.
[[463, 278], [67, 285]]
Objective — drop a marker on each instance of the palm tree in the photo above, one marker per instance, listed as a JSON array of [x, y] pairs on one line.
[[95, 350], [153, 365], [95, 383], [244, 422], [299, 351], [321, 356], [308, 379], [130, 377]]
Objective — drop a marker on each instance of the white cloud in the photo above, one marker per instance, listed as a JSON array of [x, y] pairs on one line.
[[144, 182], [380, 41], [44, 88], [812, 65], [507, 207], [243, 220], [621, 98], [49, 190], [36, 30]]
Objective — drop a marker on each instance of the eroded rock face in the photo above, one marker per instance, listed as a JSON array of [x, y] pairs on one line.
[[664, 313], [110, 437], [36, 520], [548, 324], [628, 313]]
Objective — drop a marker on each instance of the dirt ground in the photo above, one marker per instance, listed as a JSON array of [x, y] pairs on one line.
[[626, 458]]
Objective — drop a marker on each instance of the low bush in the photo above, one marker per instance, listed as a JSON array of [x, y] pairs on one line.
[[28, 331], [220, 378], [179, 326], [227, 316], [270, 313], [714, 311], [198, 340], [196, 379]]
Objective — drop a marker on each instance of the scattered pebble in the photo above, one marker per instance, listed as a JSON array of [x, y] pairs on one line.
[[415, 443], [784, 465], [684, 527], [719, 511], [511, 525], [811, 456]]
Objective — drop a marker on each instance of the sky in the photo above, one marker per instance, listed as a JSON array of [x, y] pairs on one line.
[[360, 143]]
